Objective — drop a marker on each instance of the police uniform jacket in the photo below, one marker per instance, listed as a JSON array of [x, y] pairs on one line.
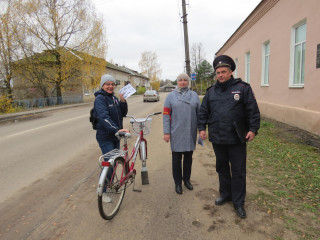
[[225, 103], [110, 112]]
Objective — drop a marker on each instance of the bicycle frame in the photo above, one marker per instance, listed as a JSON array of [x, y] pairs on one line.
[[133, 156], [140, 146]]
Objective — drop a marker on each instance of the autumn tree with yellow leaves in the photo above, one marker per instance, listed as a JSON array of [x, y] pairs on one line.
[[62, 42], [151, 68]]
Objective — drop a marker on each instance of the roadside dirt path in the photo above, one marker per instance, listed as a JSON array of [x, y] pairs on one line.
[[64, 205]]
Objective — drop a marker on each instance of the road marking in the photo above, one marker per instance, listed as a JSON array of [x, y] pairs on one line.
[[48, 125], [52, 124], [134, 102]]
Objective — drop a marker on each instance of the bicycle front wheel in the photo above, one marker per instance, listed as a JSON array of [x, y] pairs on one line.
[[110, 200]]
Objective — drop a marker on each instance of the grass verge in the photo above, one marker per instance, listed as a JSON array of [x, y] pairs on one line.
[[287, 176]]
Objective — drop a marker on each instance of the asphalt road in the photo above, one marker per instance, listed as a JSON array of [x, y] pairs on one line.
[[31, 149], [48, 179]]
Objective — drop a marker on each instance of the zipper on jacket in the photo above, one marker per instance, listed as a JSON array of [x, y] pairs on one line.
[[117, 111]]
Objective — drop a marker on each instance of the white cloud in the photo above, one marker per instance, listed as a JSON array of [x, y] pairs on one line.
[[148, 25]]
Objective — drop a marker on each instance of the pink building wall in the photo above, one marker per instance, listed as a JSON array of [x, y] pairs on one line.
[[273, 21]]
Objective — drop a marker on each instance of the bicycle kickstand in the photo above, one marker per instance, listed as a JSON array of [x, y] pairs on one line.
[[135, 189]]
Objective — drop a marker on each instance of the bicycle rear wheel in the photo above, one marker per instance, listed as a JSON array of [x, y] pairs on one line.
[[110, 200]]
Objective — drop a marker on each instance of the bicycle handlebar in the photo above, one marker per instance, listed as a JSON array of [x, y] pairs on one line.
[[151, 114]]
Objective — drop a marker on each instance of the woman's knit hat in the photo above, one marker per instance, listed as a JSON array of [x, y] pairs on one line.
[[107, 78]]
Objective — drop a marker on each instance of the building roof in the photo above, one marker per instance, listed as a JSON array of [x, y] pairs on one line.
[[169, 85], [116, 67], [49, 56], [125, 70], [135, 73]]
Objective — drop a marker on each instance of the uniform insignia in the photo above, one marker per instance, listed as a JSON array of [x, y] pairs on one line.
[[236, 97]]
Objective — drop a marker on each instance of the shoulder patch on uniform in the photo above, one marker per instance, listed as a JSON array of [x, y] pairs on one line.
[[209, 87], [239, 80]]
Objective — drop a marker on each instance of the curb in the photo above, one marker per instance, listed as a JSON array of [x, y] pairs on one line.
[[11, 116]]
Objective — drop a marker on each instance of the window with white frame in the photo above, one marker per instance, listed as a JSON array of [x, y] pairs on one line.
[[247, 68], [235, 72], [298, 50], [265, 64]]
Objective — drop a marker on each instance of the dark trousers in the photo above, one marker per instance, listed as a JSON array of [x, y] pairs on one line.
[[176, 166], [231, 167]]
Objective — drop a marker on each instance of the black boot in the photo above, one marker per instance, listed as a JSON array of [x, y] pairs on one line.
[[178, 189], [222, 200], [240, 211], [188, 185]]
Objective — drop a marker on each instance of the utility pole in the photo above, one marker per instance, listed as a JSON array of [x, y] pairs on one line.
[[186, 39]]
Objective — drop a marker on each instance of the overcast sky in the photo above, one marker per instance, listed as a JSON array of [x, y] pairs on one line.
[[135, 26]]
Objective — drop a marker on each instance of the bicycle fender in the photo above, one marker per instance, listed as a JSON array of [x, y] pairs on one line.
[[103, 177], [101, 180]]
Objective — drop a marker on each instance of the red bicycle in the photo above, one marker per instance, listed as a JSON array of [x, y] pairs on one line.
[[118, 171]]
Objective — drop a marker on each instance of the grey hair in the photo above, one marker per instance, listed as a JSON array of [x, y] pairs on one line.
[[183, 76]]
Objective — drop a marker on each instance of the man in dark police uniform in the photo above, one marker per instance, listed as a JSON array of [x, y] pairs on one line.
[[230, 110]]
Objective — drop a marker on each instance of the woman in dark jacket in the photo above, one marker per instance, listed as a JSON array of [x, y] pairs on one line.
[[110, 112]]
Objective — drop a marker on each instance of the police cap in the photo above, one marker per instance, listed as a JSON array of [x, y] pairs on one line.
[[224, 61]]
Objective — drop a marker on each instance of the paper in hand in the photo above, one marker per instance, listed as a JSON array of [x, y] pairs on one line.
[[200, 141], [127, 91]]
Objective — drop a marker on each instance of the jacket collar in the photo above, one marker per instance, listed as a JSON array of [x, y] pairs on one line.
[[225, 85], [104, 93], [185, 97]]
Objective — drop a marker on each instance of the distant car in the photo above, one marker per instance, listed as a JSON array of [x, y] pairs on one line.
[[151, 95]]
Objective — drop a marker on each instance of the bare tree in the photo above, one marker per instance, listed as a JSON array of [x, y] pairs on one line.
[[197, 56], [151, 68], [60, 28], [7, 48]]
